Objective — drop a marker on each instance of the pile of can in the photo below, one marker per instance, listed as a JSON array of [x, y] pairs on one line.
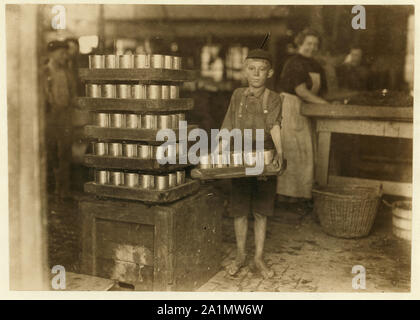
[[134, 150], [135, 91], [140, 180], [235, 159], [137, 61], [138, 121]]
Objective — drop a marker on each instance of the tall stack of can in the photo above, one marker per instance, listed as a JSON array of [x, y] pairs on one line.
[[147, 89]]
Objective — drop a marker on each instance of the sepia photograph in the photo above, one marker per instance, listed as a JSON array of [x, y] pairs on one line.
[[209, 148]]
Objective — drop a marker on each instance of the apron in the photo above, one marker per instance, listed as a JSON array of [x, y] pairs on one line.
[[298, 149]]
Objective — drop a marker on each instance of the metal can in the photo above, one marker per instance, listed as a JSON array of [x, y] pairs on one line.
[[108, 91], [132, 120], [96, 61], [147, 181], [206, 161], [168, 62], [123, 91], [180, 177], [173, 92], [110, 61], [159, 152], [102, 119], [158, 61], [117, 178], [183, 149], [115, 149], [172, 181], [174, 120], [100, 148], [144, 151], [101, 176], [117, 120], [139, 120], [268, 157], [149, 121], [142, 61], [131, 179], [93, 90], [165, 92], [162, 182], [250, 158], [176, 63], [237, 159], [164, 121], [125, 61], [154, 91], [172, 151], [222, 160], [130, 150], [139, 91]]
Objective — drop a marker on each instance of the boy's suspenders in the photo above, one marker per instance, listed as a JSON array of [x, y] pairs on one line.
[[264, 102]]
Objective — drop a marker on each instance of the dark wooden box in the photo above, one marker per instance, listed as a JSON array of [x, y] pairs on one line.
[[160, 247]]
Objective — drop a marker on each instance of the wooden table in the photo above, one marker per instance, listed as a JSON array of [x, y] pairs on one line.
[[395, 122]]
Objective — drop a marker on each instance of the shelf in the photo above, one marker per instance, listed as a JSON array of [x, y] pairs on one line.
[[135, 105], [150, 196], [234, 172], [126, 163], [138, 75], [344, 111], [147, 135]]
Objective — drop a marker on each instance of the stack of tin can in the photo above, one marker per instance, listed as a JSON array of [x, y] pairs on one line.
[[138, 121], [135, 179], [235, 159], [146, 89], [132, 91], [137, 61], [136, 150]]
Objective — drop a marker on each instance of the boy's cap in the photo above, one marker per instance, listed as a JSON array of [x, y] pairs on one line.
[[54, 45], [259, 54]]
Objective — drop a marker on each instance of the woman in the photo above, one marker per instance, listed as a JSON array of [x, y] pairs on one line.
[[302, 80]]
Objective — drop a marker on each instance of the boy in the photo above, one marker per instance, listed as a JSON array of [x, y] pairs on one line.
[[255, 107]]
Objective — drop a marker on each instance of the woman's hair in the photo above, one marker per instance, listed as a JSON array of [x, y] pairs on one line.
[[301, 36]]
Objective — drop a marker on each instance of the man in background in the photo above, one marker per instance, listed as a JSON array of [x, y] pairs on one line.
[[59, 91], [352, 74]]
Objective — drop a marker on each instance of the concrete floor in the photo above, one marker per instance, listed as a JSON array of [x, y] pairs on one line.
[[305, 259]]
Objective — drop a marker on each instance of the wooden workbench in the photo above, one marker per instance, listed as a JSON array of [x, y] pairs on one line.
[[395, 122]]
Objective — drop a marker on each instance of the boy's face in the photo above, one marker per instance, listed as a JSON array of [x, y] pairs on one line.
[[257, 71]]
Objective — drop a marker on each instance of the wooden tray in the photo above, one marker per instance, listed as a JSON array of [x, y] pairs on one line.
[[147, 135], [150, 196], [234, 172], [139, 75], [126, 163], [135, 105]]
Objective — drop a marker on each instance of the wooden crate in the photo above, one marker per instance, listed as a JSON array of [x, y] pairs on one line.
[[161, 248]]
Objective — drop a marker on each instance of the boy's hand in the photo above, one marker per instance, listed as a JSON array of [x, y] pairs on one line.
[[278, 161]]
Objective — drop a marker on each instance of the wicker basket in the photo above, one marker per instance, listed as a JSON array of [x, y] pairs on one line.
[[346, 212]]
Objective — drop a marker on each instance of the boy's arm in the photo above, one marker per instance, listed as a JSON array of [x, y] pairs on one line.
[[276, 136]]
